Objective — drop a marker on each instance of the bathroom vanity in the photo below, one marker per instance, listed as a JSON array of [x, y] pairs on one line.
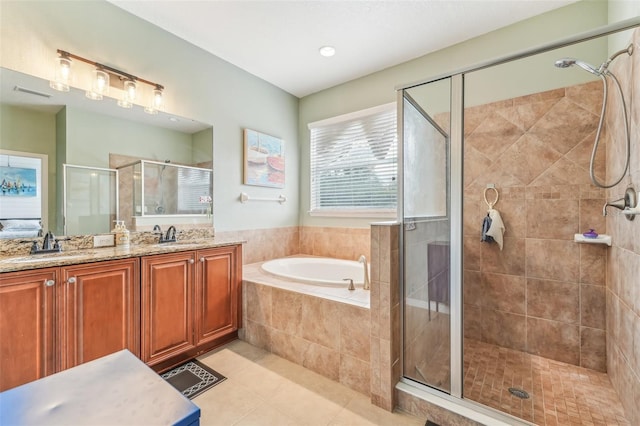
[[164, 303]]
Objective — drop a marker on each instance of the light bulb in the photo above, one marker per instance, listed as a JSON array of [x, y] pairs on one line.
[[129, 94], [99, 86], [62, 75], [156, 102]]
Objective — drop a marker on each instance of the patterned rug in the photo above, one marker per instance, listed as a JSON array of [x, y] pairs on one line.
[[193, 378]]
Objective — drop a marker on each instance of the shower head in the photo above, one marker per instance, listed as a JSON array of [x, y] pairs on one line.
[[568, 62]]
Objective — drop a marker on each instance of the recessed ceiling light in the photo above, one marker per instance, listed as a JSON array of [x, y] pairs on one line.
[[327, 51]]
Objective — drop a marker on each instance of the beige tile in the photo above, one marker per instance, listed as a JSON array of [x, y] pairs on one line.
[[355, 374], [556, 219], [322, 360], [510, 260], [553, 259], [554, 300], [552, 128], [593, 349], [555, 340], [226, 403], [321, 322], [355, 331], [593, 306], [303, 405], [504, 329], [265, 415], [503, 292], [258, 302], [483, 136], [289, 346], [286, 311], [593, 264], [257, 334]]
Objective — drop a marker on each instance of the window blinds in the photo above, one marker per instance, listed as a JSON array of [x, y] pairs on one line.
[[354, 163]]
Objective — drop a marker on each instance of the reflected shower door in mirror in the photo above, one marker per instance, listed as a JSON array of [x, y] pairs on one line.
[[426, 234], [90, 199]]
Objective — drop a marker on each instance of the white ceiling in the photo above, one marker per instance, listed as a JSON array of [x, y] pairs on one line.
[[278, 40]]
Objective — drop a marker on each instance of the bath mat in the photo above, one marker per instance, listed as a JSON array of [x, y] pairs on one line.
[[192, 378]]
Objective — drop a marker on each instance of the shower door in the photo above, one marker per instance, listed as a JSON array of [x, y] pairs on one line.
[[426, 236]]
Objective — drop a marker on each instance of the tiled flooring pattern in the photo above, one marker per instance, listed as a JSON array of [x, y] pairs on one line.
[[560, 394], [264, 389]]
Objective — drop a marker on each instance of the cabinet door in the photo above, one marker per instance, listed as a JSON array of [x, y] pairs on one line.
[[26, 326], [167, 306], [217, 287], [99, 310]]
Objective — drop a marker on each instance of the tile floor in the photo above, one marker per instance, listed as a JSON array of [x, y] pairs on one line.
[[561, 394], [264, 389]]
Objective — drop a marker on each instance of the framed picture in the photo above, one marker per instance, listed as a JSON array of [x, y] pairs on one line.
[[263, 160]]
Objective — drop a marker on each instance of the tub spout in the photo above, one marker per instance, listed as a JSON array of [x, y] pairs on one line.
[[367, 284]]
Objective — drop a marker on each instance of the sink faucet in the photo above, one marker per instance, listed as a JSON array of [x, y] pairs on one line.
[[50, 244], [171, 234], [367, 284], [49, 241], [168, 237]]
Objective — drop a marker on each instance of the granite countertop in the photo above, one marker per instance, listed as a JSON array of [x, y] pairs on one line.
[[74, 257]]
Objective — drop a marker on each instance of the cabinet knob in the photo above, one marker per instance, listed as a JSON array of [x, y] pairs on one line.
[[49, 283], [191, 261], [202, 259], [71, 280]]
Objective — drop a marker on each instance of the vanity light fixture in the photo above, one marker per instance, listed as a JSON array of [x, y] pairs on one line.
[[103, 77], [327, 51]]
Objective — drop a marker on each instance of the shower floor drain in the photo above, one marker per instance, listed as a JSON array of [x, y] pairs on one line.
[[519, 393]]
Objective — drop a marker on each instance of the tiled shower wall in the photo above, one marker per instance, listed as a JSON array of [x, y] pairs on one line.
[[623, 260], [543, 293]]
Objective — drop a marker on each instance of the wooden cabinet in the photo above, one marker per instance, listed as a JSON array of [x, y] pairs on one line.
[[99, 310], [27, 305], [164, 308], [167, 305], [217, 293], [190, 303]]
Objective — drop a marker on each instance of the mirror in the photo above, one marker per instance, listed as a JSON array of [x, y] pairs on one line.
[[69, 128]]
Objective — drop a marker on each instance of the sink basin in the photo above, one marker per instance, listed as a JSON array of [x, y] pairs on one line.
[[38, 259]]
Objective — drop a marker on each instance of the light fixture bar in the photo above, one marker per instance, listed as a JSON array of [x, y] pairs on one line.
[[109, 69]]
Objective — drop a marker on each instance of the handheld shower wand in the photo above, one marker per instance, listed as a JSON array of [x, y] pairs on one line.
[[603, 71]]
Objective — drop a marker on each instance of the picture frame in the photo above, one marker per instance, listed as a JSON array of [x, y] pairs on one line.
[[264, 160]]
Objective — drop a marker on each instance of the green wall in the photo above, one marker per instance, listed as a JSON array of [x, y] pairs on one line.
[[28, 130], [198, 85], [379, 88]]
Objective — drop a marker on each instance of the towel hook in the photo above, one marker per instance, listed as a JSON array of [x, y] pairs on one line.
[[491, 204]]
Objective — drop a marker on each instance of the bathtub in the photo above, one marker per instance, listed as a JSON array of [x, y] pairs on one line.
[[316, 270]]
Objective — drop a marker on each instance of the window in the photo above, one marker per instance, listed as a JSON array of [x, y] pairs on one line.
[[354, 164]]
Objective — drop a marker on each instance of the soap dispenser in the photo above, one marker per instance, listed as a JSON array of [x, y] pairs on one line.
[[121, 234]]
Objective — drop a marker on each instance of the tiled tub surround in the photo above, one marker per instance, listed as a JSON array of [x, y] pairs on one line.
[[274, 243], [623, 258], [351, 338], [326, 330], [543, 293]]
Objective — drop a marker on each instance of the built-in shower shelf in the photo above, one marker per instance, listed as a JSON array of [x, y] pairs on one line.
[[600, 239]]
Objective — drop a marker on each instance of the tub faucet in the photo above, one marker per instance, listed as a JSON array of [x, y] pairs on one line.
[[367, 284]]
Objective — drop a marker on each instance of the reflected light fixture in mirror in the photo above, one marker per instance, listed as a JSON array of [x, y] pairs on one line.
[[129, 94], [99, 85], [156, 102], [102, 80], [62, 74]]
